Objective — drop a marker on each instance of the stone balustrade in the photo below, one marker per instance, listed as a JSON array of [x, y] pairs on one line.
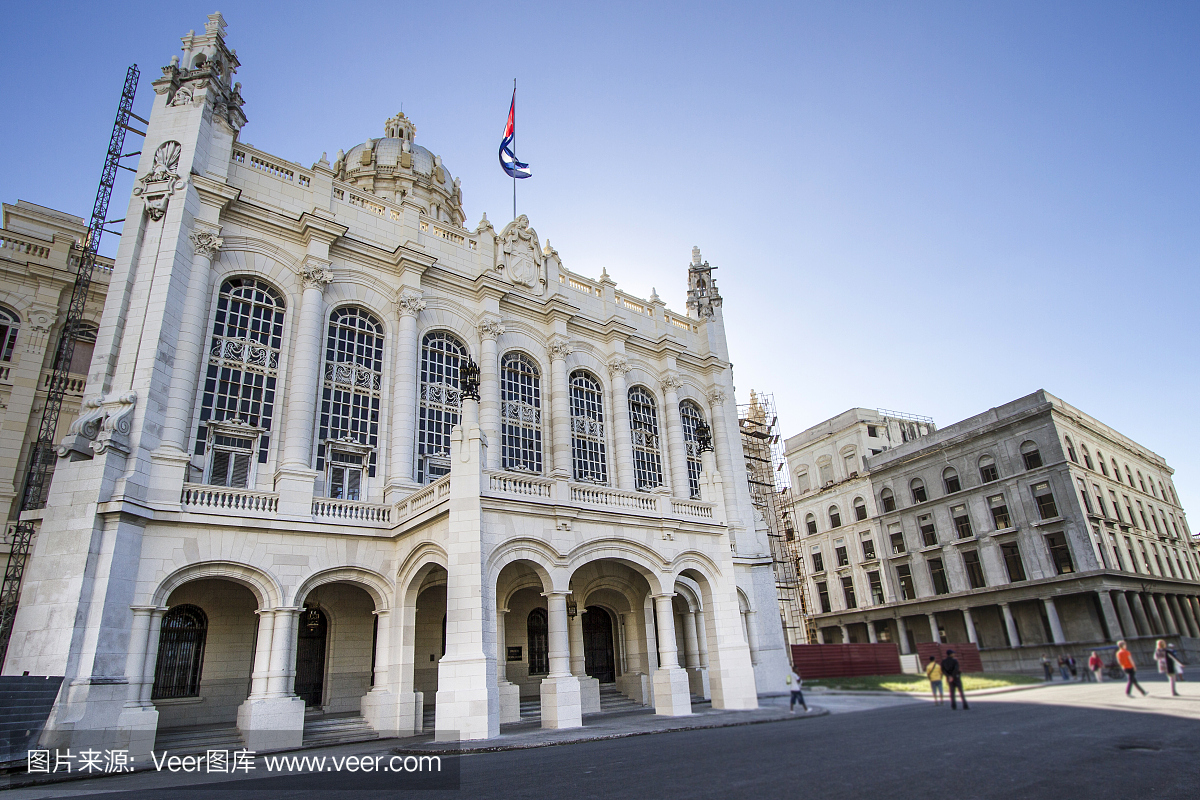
[[351, 511], [205, 499]]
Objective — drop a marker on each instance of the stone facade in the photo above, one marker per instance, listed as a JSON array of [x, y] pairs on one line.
[[1027, 527], [288, 492], [38, 251]]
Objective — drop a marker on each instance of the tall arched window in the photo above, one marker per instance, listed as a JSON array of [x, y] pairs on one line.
[[441, 399], [1071, 450], [643, 420], [950, 480], [348, 434], [587, 429], [887, 500], [520, 413], [180, 653], [538, 640], [919, 495], [1103, 466], [10, 324], [810, 523], [835, 517], [1030, 455], [238, 401], [691, 415]]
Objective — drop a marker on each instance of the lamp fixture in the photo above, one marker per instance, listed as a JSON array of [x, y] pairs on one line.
[[470, 379]]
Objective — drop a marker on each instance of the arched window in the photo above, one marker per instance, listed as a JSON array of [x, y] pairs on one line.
[[835, 517], [587, 429], [537, 630], [860, 509], [643, 419], [238, 401], [919, 495], [1031, 455], [520, 413], [950, 480], [987, 469], [348, 435], [803, 483], [887, 500], [1087, 459], [441, 356], [1129, 476], [9, 326], [1071, 450], [1116, 470], [180, 653], [1103, 466], [691, 415], [810, 523], [1141, 482]]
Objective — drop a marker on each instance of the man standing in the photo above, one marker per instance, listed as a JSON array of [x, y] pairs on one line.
[[953, 675]]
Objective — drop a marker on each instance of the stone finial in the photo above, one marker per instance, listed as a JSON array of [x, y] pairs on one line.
[[654, 298], [215, 24], [175, 62], [696, 256]]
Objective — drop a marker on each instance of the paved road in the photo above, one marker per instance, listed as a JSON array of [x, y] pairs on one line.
[[1063, 741]]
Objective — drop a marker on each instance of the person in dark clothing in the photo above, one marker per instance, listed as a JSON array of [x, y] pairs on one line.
[[953, 674]]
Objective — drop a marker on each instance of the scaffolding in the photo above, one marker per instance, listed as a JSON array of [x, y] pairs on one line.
[[767, 473]]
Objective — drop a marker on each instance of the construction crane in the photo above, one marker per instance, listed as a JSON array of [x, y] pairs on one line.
[[42, 453]]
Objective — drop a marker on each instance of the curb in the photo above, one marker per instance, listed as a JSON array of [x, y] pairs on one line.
[[925, 693]]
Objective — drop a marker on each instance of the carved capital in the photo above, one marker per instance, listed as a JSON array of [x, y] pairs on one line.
[[491, 328], [409, 303], [717, 396], [206, 243], [315, 273], [671, 381], [560, 347], [618, 365]]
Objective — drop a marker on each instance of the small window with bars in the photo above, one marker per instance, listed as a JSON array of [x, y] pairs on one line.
[[1044, 497], [962, 521], [999, 508]]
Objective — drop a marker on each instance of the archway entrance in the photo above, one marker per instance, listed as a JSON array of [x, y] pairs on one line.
[[598, 651], [310, 656]]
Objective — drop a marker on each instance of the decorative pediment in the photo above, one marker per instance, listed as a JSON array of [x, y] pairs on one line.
[[522, 262]]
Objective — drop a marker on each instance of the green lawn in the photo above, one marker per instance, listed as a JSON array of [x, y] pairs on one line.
[[918, 683]]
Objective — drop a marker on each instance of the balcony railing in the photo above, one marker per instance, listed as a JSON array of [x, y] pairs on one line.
[[224, 500]]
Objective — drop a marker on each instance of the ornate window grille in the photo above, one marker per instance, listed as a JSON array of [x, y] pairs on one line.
[[441, 401], [690, 413], [587, 429], [350, 397], [520, 413], [243, 361], [10, 324], [180, 653], [643, 420]]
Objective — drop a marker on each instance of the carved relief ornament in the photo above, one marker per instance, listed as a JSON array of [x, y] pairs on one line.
[[672, 381], [618, 365], [522, 261], [206, 243], [491, 328], [315, 274], [409, 303], [156, 186], [560, 347]]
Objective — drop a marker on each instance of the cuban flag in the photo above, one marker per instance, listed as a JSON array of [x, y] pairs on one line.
[[508, 159]]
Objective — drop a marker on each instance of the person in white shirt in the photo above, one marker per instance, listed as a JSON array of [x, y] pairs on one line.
[[794, 683]]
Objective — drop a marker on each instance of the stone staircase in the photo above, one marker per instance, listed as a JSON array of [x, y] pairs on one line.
[[612, 701], [198, 739], [330, 729], [531, 709], [25, 704]]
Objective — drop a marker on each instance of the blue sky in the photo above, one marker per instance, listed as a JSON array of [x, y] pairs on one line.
[[932, 207]]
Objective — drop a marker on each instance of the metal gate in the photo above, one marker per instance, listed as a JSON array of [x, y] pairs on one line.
[[310, 656], [598, 656]]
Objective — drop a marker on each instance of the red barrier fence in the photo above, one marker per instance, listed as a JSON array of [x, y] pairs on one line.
[[966, 653], [846, 660]]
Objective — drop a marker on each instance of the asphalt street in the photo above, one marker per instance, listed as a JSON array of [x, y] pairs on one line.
[[1063, 741]]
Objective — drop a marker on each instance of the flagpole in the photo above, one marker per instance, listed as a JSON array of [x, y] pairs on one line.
[[514, 146]]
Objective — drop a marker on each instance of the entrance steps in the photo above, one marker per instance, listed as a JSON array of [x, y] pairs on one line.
[[198, 739], [326, 729], [531, 709], [612, 700]]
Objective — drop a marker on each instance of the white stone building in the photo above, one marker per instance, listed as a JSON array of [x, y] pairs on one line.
[[285, 496], [1032, 528]]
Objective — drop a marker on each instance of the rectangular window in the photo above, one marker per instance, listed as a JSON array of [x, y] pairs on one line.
[[1012, 562], [345, 475], [871, 431], [823, 596], [811, 524], [889, 502], [818, 561], [868, 546], [1100, 501], [904, 580], [1132, 558], [928, 532], [974, 569], [839, 552], [1045, 500], [230, 461], [999, 512], [937, 574], [860, 512], [1060, 554], [897, 543], [989, 473], [876, 588], [953, 484], [918, 493], [1142, 514], [1033, 459], [1116, 506], [962, 521], [1129, 509], [848, 592], [1087, 504], [1116, 552]]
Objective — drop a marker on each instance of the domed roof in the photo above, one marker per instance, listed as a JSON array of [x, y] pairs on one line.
[[400, 132]]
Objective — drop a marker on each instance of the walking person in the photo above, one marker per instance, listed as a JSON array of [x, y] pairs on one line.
[[794, 682], [1125, 659], [953, 675], [1046, 667], [933, 671], [1168, 663], [1096, 667]]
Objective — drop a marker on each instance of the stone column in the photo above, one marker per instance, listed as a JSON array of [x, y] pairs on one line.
[[1010, 625], [1189, 613], [260, 677], [969, 622], [933, 628], [1164, 611], [1182, 622], [296, 475], [575, 625], [1139, 613], [276, 720], [589, 687], [489, 388], [691, 649], [382, 654], [409, 305], [172, 453], [724, 452], [1056, 630], [845, 632], [1151, 608], [154, 628], [902, 635], [510, 693], [560, 407], [752, 636], [676, 448], [135, 661], [561, 700], [872, 637], [672, 694], [1128, 627], [1110, 615], [618, 367]]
